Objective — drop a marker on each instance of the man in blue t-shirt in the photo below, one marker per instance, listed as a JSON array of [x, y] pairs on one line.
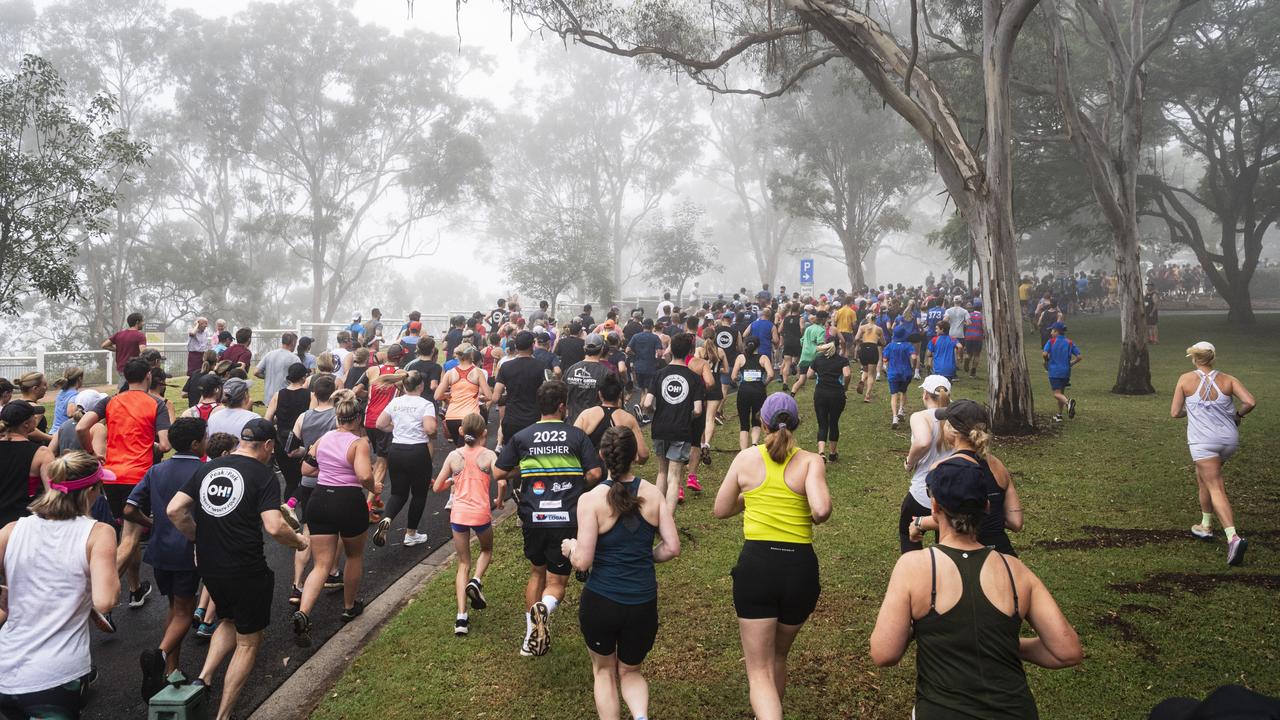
[[169, 553], [942, 351], [1060, 355], [900, 364], [764, 330], [642, 354]]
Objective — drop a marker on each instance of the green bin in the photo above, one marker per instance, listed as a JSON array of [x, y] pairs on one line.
[[179, 701]]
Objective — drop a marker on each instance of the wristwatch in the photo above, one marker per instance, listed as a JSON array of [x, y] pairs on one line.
[[916, 521]]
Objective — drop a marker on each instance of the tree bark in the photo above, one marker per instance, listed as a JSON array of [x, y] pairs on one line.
[[1133, 377]]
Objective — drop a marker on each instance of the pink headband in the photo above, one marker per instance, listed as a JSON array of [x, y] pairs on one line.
[[87, 481]]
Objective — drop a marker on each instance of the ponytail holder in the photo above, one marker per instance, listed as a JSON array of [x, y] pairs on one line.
[[468, 438], [89, 480]]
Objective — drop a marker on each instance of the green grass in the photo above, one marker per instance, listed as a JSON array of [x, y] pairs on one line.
[[1122, 464]]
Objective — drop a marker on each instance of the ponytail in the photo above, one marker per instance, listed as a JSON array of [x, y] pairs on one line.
[[71, 378], [781, 441], [473, 427], [981, 439], [618, 450]]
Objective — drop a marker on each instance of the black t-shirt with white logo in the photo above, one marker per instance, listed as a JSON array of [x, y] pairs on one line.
[[231, 493], [521, 377], [727, 340], [496, 318], [678, 389], [584, 381]]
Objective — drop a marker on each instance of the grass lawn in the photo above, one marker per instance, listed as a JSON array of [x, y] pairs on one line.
[[1108, 499]]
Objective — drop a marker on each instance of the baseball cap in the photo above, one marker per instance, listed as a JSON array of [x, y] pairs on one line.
[[540, 334], [258, 430], [415, 326], [524, 340], [779, 404], [151, 355], [933, 383], [964, 415], [234, 390], [355, 317], [1060, 327], [208, 383], [89, 398], [1204, 345], [159, 377], [15, 413], [296, 372], [395, 350], [594, 341], [958, 487]]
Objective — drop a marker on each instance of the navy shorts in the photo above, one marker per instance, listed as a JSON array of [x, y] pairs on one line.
[[464, 529], [177, 583], [1059, 383], [973, 347], [644, 381], [899, 386]]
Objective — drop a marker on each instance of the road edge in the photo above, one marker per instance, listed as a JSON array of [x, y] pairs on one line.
[[299, 695]]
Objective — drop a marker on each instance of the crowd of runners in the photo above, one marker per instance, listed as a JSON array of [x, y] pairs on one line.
[[556, 414]]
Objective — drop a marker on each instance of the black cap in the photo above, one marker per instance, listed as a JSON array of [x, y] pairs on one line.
[[395, 351], [208, 383], [152, 355], [17, 412], [258, 430], [296, 372], [959, 486], [964, 415], [524, 340]]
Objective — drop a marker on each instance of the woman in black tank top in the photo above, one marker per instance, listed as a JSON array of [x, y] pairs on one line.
[[595, 421], [752, 371], [284, 410]]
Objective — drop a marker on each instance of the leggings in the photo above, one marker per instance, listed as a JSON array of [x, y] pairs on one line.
[[58, 703], [749, 403], [410, 469], [827, 409], [290, 468], [454, 430]]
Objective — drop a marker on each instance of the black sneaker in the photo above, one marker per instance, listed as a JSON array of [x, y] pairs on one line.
[[334, 581], [461, 627], [833, 457], [138, 598], [581, 575], [705, 458], [301, 629], [152, 662], [476, 595], [1071, 408], [353, 612]]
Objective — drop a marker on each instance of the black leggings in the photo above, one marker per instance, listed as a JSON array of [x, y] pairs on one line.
[[749, 403], [910, 509], [290, 468], [828, 408], [410, 469], [59, 703], [454, 430]]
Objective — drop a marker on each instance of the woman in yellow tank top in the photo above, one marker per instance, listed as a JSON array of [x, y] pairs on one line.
[[782, 493]]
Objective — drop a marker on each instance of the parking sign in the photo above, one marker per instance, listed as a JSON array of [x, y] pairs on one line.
[[806, 271]]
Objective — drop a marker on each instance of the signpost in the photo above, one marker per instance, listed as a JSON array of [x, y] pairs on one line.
[[806, 275]]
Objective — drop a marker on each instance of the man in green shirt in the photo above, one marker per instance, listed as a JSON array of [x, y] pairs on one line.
[[813, 336]]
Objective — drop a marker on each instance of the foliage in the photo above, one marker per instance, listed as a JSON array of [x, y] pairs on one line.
[[678, 251], [564, 252], [55, 168]]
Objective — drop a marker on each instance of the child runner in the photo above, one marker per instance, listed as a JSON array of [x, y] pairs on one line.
[[1060, 355], [469, 470], [900, 359], [942, 352]]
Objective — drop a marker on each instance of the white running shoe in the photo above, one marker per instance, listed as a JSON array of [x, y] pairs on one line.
[[1202, 532]]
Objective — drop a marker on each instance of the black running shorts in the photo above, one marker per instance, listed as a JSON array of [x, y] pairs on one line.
[[337, 511], [243, 599], [609, 627], [776, 580], [542, 547]]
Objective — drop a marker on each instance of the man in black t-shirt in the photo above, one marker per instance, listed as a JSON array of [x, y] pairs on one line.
[[677, 398], [584, 378], [571, 348], [519, 377], [224, 508], [552, 463], [498, 316]]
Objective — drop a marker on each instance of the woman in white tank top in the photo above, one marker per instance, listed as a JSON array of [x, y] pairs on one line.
[[1207, 398], [926, 450], [60, 566]]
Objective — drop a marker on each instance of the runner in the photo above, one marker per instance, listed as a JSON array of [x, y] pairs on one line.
[[464, 388], [792, 332], [234, 412], [383, 382], [942, 352], [974, 333], [869, 339], [831, 371], [570, 347], [169, 554], [717, 364], [618, 610], [239, 353], [33, 387], [846, 321], [24, 463], [468, 470], [596, 421], [410, 421], [901, 363], [68, 386], [953, 601], [307, 430], [549, 361], [1206, 397], [342, 463], [730, 342], [957, 317], [782, 492], [519, 378], [765, 331], [814, 335], [643, 349], [1060, 355], [551, 463], [680, 395], [59, 567], [752, 371], [1151, 312], [128, 343], [927, 449], [426, 365], [283, 411], [583, 378]]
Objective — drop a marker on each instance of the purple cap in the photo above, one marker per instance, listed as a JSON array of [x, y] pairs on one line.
[[779, 403]]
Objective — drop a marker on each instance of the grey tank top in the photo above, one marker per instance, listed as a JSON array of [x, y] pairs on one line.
[[315, 423]]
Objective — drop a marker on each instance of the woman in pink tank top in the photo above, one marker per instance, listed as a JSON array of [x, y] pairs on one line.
[[469, 470], [342, 463]]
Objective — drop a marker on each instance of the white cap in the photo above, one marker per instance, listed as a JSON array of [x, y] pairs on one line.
[[1202, 345], [933, 383], [89, 398], [355, 317]]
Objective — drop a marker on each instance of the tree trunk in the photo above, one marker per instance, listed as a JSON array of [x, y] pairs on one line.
[[1240, 306], [868, 269], [1134, 374]]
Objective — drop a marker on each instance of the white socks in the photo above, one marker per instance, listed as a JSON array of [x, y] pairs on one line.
[[551, 603]]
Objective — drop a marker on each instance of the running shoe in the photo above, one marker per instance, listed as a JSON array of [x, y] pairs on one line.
[[1071, 408], [414, 539], [636, 410], [1202, 532], [152, 662], [334, 581], [540, 639], [861, 385], [206, 630], [833, 457], [295, 595], [719, 418], [301, 629], [894, 425], [1235, 550], [460, 627], [475, 594], [290, 518], [138, 598], [693, 484], [680, 497], [824, 457], [380, 534], [197, 618], [705, 459], [353, 612], [1057, 418]]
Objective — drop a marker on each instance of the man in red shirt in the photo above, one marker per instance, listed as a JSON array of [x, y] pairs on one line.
[[240, 352], [128, 343]]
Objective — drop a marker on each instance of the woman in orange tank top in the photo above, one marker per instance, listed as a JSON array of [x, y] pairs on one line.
[[464, 388]]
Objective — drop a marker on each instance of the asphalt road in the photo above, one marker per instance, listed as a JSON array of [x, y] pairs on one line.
[[117, 694]]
